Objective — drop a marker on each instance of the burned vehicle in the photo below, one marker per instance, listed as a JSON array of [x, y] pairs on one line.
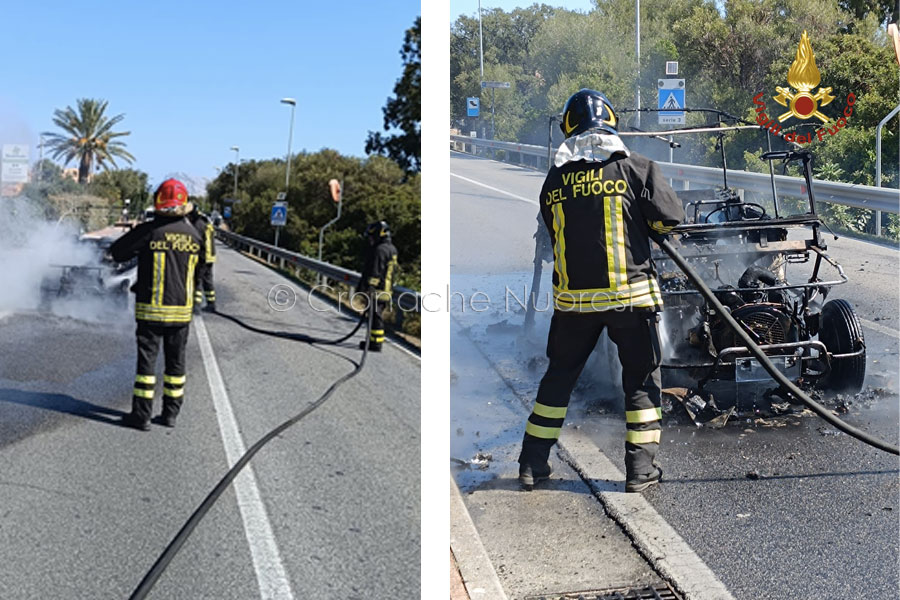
[[747, 257], [99, 277]]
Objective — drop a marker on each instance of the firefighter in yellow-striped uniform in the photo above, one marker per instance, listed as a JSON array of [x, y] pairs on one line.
[[203, 284], [599, 203], [169, 250], [377, 278]]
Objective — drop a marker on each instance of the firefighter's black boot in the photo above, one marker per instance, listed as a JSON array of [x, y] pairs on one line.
[[534, 465], [166, 419], [639, 483], [210, 306], [139, 417], [529, 475], [373, 346]]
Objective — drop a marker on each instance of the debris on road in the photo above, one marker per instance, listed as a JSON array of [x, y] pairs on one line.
[[480, 461], [700, 407], [827, 431]]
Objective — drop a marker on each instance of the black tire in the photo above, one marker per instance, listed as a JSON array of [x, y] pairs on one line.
[[842, 333]]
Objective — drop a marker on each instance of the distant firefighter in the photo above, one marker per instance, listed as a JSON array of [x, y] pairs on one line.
[[377, 277], [169, 250], [204, 274]]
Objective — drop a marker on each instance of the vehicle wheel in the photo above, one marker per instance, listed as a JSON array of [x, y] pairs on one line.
[[841, 333]]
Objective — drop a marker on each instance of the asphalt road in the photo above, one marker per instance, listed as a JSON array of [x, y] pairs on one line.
[[86, 506], [778, 508]]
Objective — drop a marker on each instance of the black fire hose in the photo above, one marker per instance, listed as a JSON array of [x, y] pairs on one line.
[[758, 353], [162, 563], [297, 337]]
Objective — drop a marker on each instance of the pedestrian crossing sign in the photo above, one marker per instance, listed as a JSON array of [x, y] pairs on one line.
[[671, 102], [279, 214]]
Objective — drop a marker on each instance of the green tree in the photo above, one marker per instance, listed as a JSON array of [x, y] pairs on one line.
[[88, 137], [122, 184], [375, 188], [403, 112]]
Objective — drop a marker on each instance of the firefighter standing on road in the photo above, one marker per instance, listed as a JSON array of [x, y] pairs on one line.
[[169, 250], [377, 278], [599, 203], [204, 274]]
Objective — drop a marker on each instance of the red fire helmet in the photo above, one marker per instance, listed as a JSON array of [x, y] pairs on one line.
[[170, 194]]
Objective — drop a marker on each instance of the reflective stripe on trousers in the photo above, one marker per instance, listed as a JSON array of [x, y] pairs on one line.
[[570, 342]]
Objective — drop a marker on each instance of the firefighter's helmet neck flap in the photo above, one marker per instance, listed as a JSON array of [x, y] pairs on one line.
[[590, 125]]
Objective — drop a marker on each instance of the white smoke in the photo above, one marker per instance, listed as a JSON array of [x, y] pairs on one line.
[[32, 250]]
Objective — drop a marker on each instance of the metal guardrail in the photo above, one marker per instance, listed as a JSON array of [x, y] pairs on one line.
[[847, 194], [404, 298]]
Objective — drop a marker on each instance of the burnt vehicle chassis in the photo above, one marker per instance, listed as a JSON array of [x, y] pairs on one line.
[[811, 340], [106, 278], [743, 254]]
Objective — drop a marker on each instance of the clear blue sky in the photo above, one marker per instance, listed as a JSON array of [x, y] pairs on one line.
[[197, 77], [470, 7]]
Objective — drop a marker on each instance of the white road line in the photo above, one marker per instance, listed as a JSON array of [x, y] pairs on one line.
[[270, 573], [667, 551], [498, 190], [475, 566], [879, 328]]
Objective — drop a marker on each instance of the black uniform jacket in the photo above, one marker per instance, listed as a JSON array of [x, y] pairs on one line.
[[168, 250], [599, 215], [207, 231], [379, 269]]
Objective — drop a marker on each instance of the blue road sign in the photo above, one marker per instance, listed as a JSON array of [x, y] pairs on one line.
[[227, 212], [671, 101], [472, 106], [279, 214]]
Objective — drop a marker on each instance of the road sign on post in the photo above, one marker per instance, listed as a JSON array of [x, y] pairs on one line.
[[279, 214], [13, 168], [671, 101], [472, 106]]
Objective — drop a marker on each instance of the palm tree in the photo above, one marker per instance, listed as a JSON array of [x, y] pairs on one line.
[[88, 137]]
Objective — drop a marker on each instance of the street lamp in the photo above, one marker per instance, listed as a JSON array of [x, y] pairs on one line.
[[637, 51], [480, 40], [287, 173], [237, 162]]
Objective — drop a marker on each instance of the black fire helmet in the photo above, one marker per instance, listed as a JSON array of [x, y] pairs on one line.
[[378, 230], [588, 109]]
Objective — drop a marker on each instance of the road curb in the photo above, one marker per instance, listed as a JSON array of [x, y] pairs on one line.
[[475, 566], [660, 545], [656, 540]]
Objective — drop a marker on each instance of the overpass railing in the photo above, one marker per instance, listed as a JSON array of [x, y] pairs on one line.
[[846, 194], [405, 299]]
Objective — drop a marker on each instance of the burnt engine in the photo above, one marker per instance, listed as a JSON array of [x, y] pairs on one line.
[[767, 323], [766, 314]]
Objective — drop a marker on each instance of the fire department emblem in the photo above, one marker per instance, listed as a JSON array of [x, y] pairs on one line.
[[804, 77]]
